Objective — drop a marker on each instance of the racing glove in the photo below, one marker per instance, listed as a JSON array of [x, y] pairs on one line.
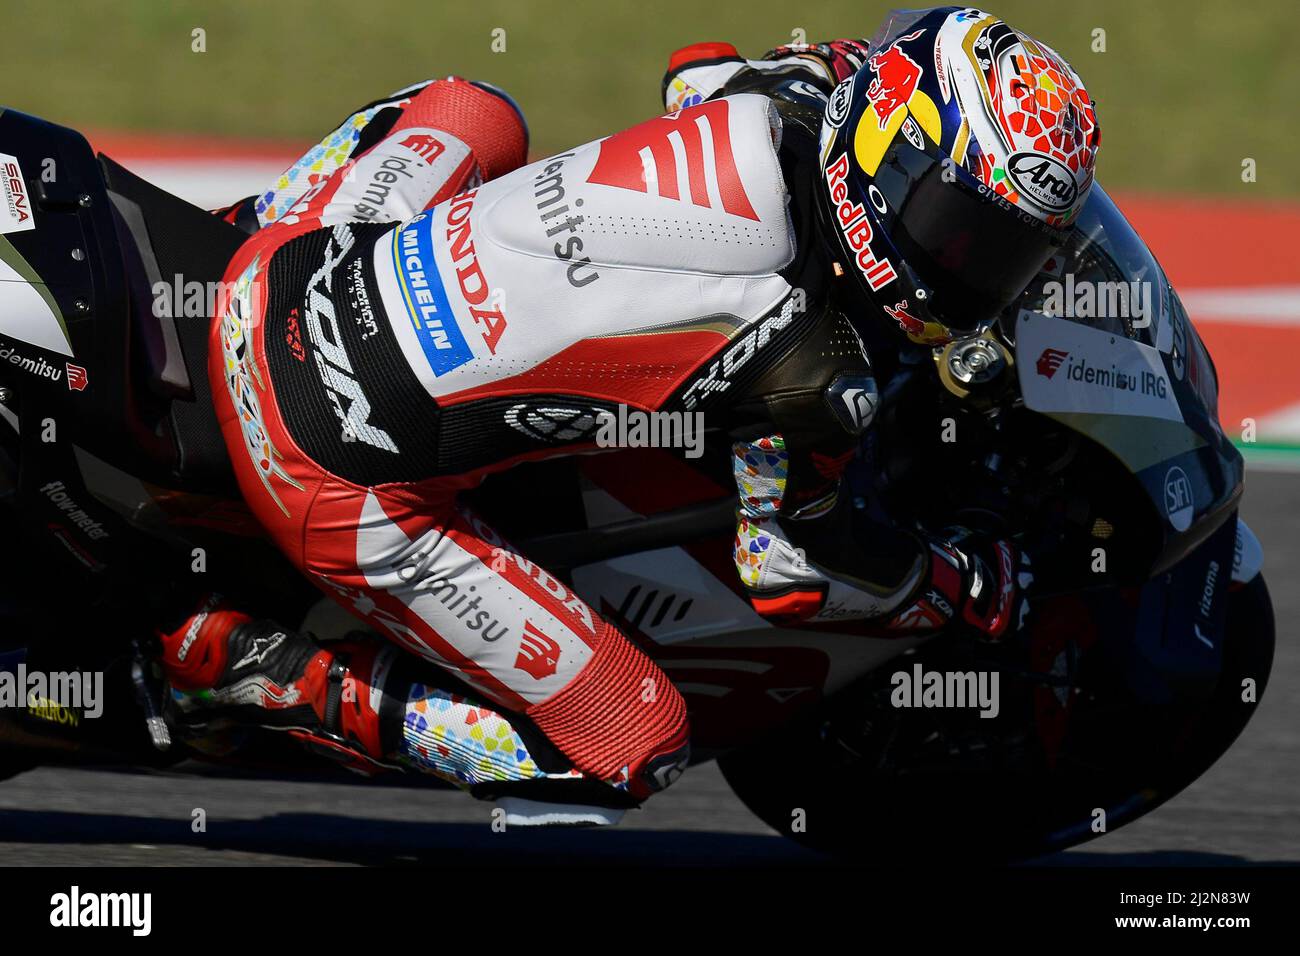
[[699, 71], [843, 573], [837, 59], [975, 581]]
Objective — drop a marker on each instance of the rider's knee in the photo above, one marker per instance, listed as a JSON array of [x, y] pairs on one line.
[[484, 118], [620, 719]]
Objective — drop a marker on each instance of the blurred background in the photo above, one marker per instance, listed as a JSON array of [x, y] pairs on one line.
[[1185, 89]]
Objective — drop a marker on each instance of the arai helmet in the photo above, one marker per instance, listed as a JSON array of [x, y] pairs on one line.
[[954, 163]]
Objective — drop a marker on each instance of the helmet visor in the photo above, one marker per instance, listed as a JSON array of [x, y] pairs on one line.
[[975, 250]]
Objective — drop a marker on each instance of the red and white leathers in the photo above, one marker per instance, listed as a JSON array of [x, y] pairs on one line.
[[395, 546], [416, 310]]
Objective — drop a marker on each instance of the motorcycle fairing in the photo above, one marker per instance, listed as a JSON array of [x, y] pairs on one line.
[[1177, 643], [1151, 398]]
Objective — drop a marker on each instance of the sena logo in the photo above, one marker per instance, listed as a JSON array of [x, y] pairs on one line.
[[539, 655], [16, 211], [17, 192], [1050, 361], [645, 159]]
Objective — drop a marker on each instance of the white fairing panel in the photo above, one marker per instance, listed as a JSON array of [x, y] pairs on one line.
[[1068, 367], [668, 597], [25, 315]]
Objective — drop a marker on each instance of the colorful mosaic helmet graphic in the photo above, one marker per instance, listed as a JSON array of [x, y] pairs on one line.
[[954, 164]]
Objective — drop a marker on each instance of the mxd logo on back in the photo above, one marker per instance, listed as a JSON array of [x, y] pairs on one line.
[[425, 298]]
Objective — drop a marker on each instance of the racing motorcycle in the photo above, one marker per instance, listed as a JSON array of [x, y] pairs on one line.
[[1094, 442]]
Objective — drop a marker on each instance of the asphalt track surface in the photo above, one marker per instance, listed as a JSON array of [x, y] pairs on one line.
[[1244, 811]]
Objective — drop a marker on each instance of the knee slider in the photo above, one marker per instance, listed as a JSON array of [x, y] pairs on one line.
[[620, 712]]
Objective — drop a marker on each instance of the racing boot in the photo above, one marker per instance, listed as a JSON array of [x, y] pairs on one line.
[[371, 707], [226, 669]]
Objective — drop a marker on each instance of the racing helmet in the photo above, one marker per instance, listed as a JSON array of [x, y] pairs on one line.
[[953, 165]]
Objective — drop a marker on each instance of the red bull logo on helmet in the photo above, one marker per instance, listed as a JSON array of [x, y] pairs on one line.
[[896, 77], [906, 321]]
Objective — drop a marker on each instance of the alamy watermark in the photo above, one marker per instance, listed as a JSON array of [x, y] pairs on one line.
[[61, 697], [950, 690], [1099, 300], [191, 299], [75, 909], [634, 428]]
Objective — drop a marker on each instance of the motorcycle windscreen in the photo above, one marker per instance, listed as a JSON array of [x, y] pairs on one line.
[[1105, 284], [1104, 346], [1104, 277]]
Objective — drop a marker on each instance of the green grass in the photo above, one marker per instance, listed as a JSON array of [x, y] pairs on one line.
[[1186, 90]]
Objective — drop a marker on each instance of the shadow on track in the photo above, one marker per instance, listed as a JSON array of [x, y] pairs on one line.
[[350, 840], [342, 839]]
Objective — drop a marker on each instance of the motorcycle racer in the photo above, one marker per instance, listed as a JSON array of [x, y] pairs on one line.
[[416, 309]]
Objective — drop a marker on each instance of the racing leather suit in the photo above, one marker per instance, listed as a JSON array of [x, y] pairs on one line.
[[413, 307]]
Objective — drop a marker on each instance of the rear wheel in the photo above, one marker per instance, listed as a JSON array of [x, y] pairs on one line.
[[907, 785]]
